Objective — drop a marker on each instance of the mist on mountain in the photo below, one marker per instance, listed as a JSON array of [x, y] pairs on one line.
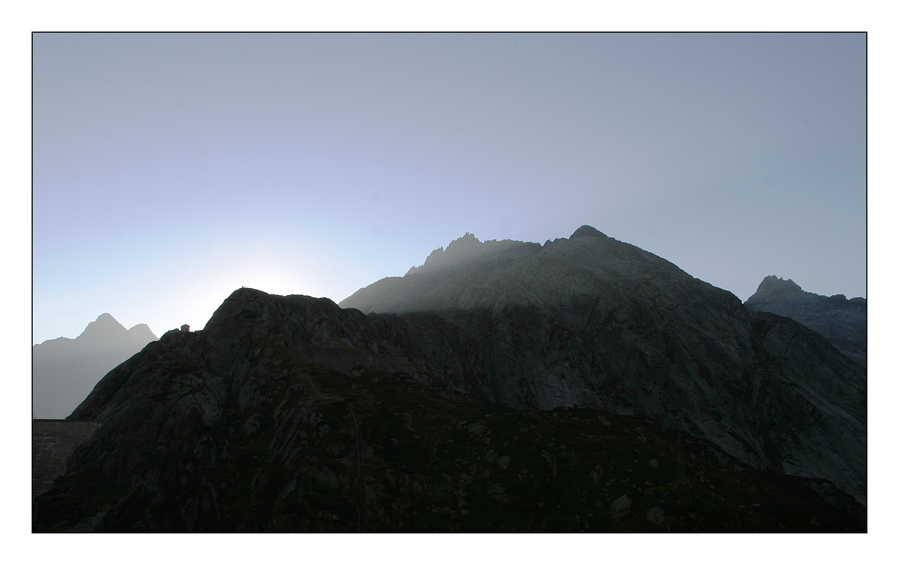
[[65, 370]]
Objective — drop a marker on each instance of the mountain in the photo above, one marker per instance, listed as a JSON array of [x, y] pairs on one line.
[[65, 370], [143, 333], [596, 322], [291, 414], [579, 385], [468, 249], [844, 323]]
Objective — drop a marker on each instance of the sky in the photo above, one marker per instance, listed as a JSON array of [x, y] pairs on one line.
[[170, 169], [681, 227]]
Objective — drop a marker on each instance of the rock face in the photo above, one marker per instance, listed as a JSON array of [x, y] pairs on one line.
[[65, 370], [290, 414], [844, 323], [596, 322], [52, 442], [531, 388]]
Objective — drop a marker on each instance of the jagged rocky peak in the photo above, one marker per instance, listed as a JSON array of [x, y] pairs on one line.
[[773, 284], [467, 249], [462, 244], [456, 252], [473, 274], [842, 322]]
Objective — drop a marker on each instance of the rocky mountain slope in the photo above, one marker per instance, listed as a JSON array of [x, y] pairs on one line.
[[596, 322], [844, 323], [584, 384], [65, 370], [291, 414]]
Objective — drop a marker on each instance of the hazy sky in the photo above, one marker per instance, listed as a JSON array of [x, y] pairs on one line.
[[171, 169]]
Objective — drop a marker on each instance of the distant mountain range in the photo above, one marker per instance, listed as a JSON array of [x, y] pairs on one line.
[[65, 370], [579, 385], [844, 323]]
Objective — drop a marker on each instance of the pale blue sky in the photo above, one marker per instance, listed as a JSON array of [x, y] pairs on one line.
[[169, 170]]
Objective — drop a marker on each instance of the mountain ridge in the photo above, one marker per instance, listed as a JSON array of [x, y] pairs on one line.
[[629, 312], [842, 322], [274, 416], [434, 407], [64, 370]]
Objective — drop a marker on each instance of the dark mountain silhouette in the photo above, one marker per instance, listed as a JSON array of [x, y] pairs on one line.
[[581, 385], [65, 370], [844, 323]]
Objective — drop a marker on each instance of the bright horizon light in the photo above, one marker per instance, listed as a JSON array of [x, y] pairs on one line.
[[170, 167]]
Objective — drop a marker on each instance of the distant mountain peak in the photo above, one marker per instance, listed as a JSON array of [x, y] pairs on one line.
[[103, 327], [842, 322], [587, 231], [65, 370], [143, 333], [775, 284]]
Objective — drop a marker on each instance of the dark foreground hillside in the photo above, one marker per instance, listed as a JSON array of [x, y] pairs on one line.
[[290, 414]]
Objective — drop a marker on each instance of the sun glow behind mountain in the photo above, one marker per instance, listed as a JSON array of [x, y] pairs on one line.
[[269, 276], [319, 163]]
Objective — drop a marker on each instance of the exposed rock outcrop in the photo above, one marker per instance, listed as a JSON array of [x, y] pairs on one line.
[[844, 323]]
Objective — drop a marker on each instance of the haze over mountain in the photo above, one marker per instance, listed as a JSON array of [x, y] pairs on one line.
[[65, 370], [843, 322], [500, 386], [597, 322]]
